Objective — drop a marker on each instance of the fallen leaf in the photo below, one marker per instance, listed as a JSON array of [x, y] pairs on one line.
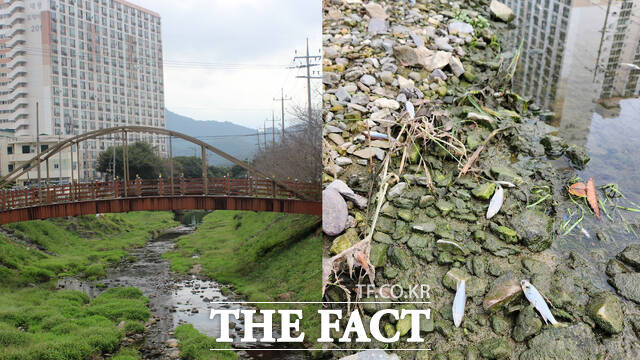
[[362, 259], [592, 197], [578, 189]]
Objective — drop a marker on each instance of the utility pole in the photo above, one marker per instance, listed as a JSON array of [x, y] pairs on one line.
[[264, 124], [273, 129], [282, 100], [308, 66]]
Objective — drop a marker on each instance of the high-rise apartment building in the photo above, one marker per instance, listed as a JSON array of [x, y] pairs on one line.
[[79, 66]]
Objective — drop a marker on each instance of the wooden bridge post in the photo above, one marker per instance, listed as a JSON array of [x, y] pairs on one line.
[[204, 172], [250, 185], [181, 184], [47, 181], [71, 193], [227, 185], [139, 185], [125, 162], [171, 163], [160, 187]]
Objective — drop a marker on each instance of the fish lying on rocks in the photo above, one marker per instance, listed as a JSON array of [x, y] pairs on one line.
[[496, 202], [458, 303], [534, 297]]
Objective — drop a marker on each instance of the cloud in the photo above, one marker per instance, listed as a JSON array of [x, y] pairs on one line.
[[220, 55]]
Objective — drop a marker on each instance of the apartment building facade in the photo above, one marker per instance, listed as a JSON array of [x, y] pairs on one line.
[[16, 151], [72, 66]]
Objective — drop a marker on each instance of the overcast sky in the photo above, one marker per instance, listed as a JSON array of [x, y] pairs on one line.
[[226, 60]]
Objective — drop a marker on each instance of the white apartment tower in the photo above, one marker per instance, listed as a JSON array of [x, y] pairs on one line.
[[87, 64]]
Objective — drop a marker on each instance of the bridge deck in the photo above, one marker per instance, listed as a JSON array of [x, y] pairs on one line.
[[158, 195]]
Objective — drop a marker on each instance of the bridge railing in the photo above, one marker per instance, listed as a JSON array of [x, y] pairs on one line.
[[64, 193]]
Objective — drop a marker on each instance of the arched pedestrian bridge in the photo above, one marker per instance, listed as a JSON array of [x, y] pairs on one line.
[[256, 192]]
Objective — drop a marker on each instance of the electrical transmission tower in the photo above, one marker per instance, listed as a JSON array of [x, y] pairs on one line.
[[308, 64]]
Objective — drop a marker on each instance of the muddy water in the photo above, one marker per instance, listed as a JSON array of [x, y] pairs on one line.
[[176, 299], [579, 61]]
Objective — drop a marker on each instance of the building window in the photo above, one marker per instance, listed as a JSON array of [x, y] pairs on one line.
[[9, 150], [26, 149], [44, 147], [10, 167]]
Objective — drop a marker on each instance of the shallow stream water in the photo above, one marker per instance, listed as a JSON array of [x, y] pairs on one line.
[[580, 61], [175, 299]]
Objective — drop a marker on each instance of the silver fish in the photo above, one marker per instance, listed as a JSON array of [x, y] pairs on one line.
[[505, 183], [410, 109], [374, 135], [458, 303], [538, 302], [496, 202]]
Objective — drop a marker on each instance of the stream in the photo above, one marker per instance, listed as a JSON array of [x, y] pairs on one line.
[[175, 299], [579, 62]]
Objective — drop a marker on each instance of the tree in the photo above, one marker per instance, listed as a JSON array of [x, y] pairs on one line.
[[191, 167], [298, 155], [143, 161]]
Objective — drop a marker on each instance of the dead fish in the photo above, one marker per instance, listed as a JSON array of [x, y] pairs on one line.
[[496, 202], [374, 135], [538, 302], [410, 110], [458, 303], [585, 232], [450, 243], [505, 183]]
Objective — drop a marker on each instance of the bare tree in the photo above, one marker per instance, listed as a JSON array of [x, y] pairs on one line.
[[298, 155]]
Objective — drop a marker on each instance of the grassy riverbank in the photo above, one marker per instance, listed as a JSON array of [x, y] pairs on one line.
[[37, 322], [40, 251], [265, 256]]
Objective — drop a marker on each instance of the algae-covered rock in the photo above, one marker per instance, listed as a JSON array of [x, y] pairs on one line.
[[484, 191], [500, 324], [504, 289], [554, 146], [631, 256], [495, 348], [574, 342], [506, 173], [378, 256], [534, 229], [404, 325], [578, 156], [444, 206], [507, 234], [528, 324], [344, 241], [628, 285], [605, 309], [400, 257]]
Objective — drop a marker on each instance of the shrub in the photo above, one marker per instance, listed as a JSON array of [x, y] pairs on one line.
[[9, 335]]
